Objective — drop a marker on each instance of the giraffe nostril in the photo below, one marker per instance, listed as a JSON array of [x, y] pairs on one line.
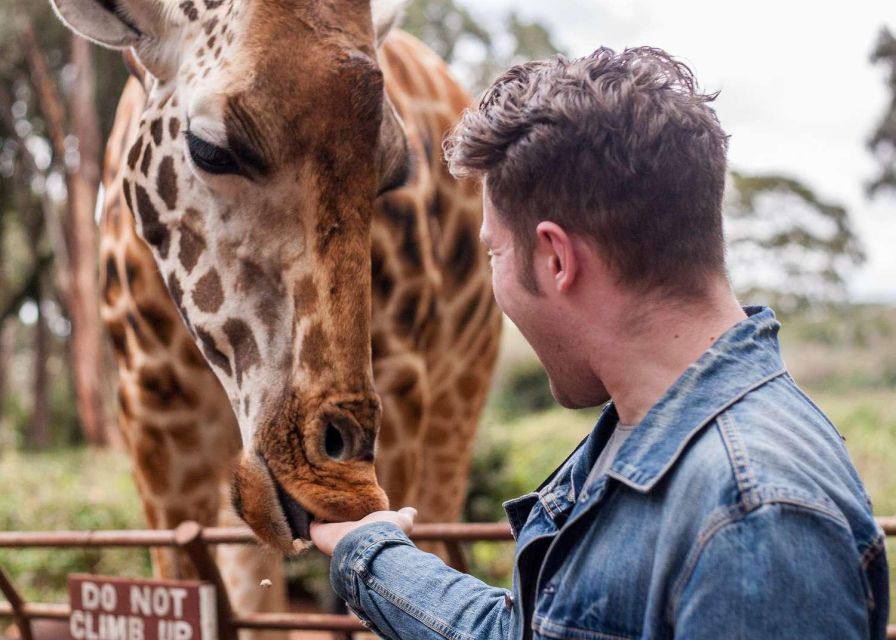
[[334, 443]]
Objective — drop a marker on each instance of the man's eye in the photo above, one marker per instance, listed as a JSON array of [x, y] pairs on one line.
[[209, 157]]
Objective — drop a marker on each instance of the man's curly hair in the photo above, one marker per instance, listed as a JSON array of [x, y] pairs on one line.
[[621, 149]]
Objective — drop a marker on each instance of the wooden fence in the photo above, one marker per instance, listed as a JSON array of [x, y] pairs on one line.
[[194, 540]]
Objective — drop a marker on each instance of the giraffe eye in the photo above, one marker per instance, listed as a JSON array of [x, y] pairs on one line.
[[209, 157]]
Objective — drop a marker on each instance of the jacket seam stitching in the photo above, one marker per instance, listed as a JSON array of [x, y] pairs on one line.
[[740, 461], [430, 621], [735, 514], [361, 561], [873, 550], [544, 625], [676, 455]]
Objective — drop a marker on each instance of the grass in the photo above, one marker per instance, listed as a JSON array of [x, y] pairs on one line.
[[70, 489]]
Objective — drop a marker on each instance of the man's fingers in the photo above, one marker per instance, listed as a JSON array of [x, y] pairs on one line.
[[327, 535], [411, 512]]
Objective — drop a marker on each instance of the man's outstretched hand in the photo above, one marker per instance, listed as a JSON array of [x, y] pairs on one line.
[[326, 536]]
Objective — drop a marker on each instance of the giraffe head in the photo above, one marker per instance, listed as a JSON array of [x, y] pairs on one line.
[[265, 140]]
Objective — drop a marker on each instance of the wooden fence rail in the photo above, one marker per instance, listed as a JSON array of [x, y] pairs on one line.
[[194, 540]]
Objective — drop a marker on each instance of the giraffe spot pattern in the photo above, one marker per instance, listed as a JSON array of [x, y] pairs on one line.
[[147, 159], [152, 460], [126, 187], [245, 348], [160, 388], [154, 232], [212, 353], [208, 295], [134, 153], [184, 436], [119, 341], [190, 356], [158, 320], [176, 291], [192, 245], [195, 477], [264, 289], [112, 282], [124, 402], [157, 131], [463, 256], [406, 314], [314, 349], [133, 275], [134, 324], [403, 216], [166, 182], [210, 25], [173, 128], [189, 10]]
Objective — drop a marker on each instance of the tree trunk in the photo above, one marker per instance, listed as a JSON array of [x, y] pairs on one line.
[[5, 346], [82, 182], [40, 418], [87, 340]]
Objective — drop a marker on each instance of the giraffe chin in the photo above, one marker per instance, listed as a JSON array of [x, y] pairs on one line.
[[257, 498], [281, 514]]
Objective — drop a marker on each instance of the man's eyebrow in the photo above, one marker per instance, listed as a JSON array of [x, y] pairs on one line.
[[244, 138]]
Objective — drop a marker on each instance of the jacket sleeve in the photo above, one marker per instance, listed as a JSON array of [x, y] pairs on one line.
[[780, 571], [399, 591]]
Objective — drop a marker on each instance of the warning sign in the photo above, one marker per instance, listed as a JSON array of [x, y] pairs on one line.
[[122, 609]]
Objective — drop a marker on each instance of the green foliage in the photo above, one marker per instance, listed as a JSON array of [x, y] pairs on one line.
[[524, 389], [787, 245], [478, 52], [70, 489], [883, 140], [443, 25]]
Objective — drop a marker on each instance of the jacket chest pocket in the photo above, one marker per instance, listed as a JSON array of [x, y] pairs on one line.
[[596, 590]]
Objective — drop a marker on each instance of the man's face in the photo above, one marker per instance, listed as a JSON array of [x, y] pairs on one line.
[[544, 318]]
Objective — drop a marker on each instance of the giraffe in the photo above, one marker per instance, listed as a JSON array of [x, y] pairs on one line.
[[291, 278]]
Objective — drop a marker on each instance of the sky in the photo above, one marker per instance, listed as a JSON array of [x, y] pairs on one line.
[[799, 95]]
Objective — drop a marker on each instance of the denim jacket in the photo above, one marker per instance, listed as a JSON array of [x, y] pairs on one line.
[[732, 511]]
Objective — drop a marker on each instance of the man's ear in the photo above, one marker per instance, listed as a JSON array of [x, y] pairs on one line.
[[101, 21], [560, 252], [386, 15]]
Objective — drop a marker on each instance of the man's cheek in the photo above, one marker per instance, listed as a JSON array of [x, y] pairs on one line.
[[498, 290]]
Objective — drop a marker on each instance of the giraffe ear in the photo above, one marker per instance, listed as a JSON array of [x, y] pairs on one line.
[[393, 157], [101, 21], [386, 15]]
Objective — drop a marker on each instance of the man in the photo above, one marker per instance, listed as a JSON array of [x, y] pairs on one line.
[[713, 499]]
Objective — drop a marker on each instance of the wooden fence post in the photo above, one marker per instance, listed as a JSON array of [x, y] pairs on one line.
[[188, 537], [17, 604]]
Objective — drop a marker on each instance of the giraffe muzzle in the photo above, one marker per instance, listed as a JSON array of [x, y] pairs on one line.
[[298, 519]]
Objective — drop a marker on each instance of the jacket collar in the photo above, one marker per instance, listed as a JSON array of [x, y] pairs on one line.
[[742, 359]]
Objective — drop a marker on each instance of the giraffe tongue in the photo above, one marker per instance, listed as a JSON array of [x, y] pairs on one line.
[[298, 519]]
